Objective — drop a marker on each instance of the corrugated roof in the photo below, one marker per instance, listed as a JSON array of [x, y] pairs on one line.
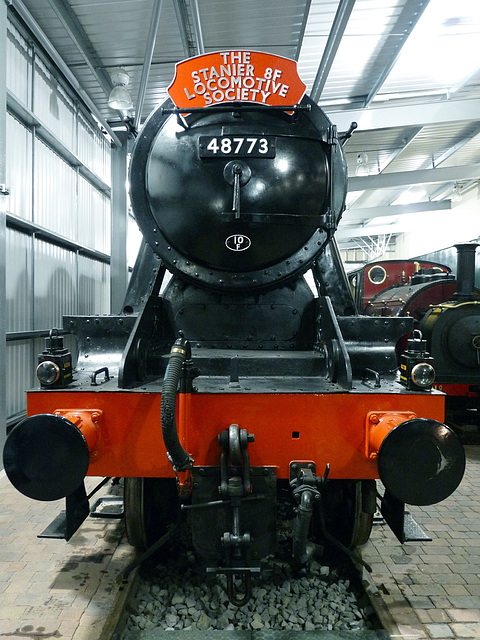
[[375, 61]]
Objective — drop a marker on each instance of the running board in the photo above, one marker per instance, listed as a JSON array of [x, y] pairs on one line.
[[401, 522], [66, 523]]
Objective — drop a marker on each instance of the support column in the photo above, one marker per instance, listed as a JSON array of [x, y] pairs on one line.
[[118, 261], [3, 207]]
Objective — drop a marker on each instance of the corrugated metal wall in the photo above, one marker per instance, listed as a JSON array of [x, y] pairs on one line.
[[20, 162], [93, 222], [58, 212]]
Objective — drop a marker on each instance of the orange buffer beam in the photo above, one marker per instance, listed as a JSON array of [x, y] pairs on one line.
[[325, 428]]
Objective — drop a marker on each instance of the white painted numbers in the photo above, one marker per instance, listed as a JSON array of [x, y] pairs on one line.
[[237, 146]]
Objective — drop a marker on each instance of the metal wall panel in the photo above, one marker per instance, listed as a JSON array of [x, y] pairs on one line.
[[3, 206], [19, 168], [55, 284], [93, 286], [93, 217], [20, 374], [94, 150], [19, 282], [54, 192], [45, 278], [52, 105], [18, 66]]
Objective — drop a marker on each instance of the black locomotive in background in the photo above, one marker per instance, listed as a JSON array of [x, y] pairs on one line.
[[226, 383]]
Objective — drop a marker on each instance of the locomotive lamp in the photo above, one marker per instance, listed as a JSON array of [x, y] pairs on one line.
[[55, 362], [416, 365]]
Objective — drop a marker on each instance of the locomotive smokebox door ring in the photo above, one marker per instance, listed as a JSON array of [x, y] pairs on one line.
[[237, 173]]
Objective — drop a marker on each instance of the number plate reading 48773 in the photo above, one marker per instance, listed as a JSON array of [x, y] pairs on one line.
[[237, 146]]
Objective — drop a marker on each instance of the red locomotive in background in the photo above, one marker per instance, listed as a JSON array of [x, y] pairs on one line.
[[373, 278]]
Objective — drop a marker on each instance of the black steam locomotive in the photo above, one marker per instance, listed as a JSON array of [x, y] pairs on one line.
[[227, 382]]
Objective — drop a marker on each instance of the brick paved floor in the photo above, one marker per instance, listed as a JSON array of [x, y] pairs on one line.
[[52, 589], [432, 589], [48, 588]]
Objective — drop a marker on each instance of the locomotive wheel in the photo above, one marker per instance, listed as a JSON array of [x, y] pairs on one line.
[[362, 521], [349, 507], [150, 505]]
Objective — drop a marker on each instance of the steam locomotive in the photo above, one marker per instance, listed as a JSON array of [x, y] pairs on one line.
[[227, 382], [446, 310], [370, 280]]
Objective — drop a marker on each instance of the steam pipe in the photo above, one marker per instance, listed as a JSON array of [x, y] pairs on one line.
[[301, 551], [176, 454]]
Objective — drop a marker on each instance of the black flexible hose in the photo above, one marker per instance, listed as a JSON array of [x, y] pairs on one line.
[[301, 552], [176, 454]]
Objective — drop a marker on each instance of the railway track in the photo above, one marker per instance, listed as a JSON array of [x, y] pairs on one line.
[[165, 601]]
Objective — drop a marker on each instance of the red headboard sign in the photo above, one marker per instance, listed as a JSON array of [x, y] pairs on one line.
[[236, 76]]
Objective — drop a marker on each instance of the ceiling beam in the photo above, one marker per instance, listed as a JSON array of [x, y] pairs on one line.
[[348, 234], [471, 134], [406, 116], [301, 35], [197, 27], [409, 178], [334, 38], [185, 29], [408, 139], [367, 213], [149, 48], [408, 18], [78, 36]]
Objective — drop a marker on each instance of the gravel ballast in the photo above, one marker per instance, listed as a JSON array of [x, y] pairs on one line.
[[177, 594]]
